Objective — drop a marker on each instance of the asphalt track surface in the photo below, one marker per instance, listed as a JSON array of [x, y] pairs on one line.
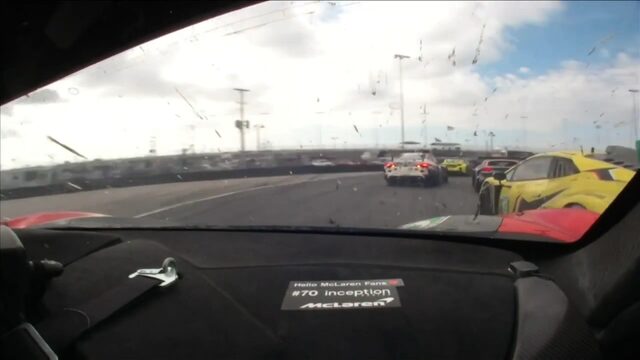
[[352, 200]]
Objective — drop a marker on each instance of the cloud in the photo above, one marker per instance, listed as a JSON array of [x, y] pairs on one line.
[[8, 133], [6, 110], [524, 70], [42, 96]]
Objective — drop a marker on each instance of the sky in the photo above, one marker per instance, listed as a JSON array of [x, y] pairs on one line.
[[538, 75]]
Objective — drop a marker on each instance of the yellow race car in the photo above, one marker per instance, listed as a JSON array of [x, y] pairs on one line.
[[554, 180], [456, 166]]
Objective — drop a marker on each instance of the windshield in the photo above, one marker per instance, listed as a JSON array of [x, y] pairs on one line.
[[501, 163], [296, 114]]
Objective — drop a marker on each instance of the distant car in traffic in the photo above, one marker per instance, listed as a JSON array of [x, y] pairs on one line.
[[489, 167], [416, 167], [456, 166], [554, 180], [321, 162]]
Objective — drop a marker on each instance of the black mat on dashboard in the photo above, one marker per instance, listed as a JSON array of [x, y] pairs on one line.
[[235, 313]]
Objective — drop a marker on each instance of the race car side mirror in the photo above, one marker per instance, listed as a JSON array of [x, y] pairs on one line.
[[500, 176]]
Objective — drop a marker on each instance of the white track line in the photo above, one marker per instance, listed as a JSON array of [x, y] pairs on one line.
[[184, 203]]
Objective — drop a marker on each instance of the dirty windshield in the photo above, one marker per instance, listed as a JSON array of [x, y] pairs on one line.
[[299, 113]]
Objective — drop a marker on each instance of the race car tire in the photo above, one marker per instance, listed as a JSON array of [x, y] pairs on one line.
[[437, 180], [486, 207], [476, 187]]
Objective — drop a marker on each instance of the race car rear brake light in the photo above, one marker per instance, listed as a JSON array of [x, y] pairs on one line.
[[424, 165], [390, 165], [486, 169]]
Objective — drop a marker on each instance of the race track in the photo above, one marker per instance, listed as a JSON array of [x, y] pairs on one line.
[[354, 200]]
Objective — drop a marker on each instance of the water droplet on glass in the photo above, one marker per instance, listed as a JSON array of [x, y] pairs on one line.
[[73, 91], [355, 188]]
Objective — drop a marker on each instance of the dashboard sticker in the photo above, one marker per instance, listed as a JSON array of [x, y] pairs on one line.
[[342, 294]]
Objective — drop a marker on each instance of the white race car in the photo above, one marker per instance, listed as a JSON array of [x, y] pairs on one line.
[[416, 167]]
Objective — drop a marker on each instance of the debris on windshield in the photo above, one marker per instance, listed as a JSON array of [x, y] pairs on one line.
[[74, 185], [356, 128], [220, 136], [290, 172], [506, 116], [71, 90], [602, 114], [68, 148], [355, 188], [338, 182], [452, 57], [494, 90], [331, 221], [477, 55], [591, 51], [188, 103], [179, 177]]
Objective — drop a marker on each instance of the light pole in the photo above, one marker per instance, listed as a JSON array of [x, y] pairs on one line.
[[635, 115], [258, 127], [242, 123], [491, 136], [400, 58]]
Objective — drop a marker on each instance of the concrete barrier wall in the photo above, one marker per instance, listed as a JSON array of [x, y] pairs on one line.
[[84, 184]]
